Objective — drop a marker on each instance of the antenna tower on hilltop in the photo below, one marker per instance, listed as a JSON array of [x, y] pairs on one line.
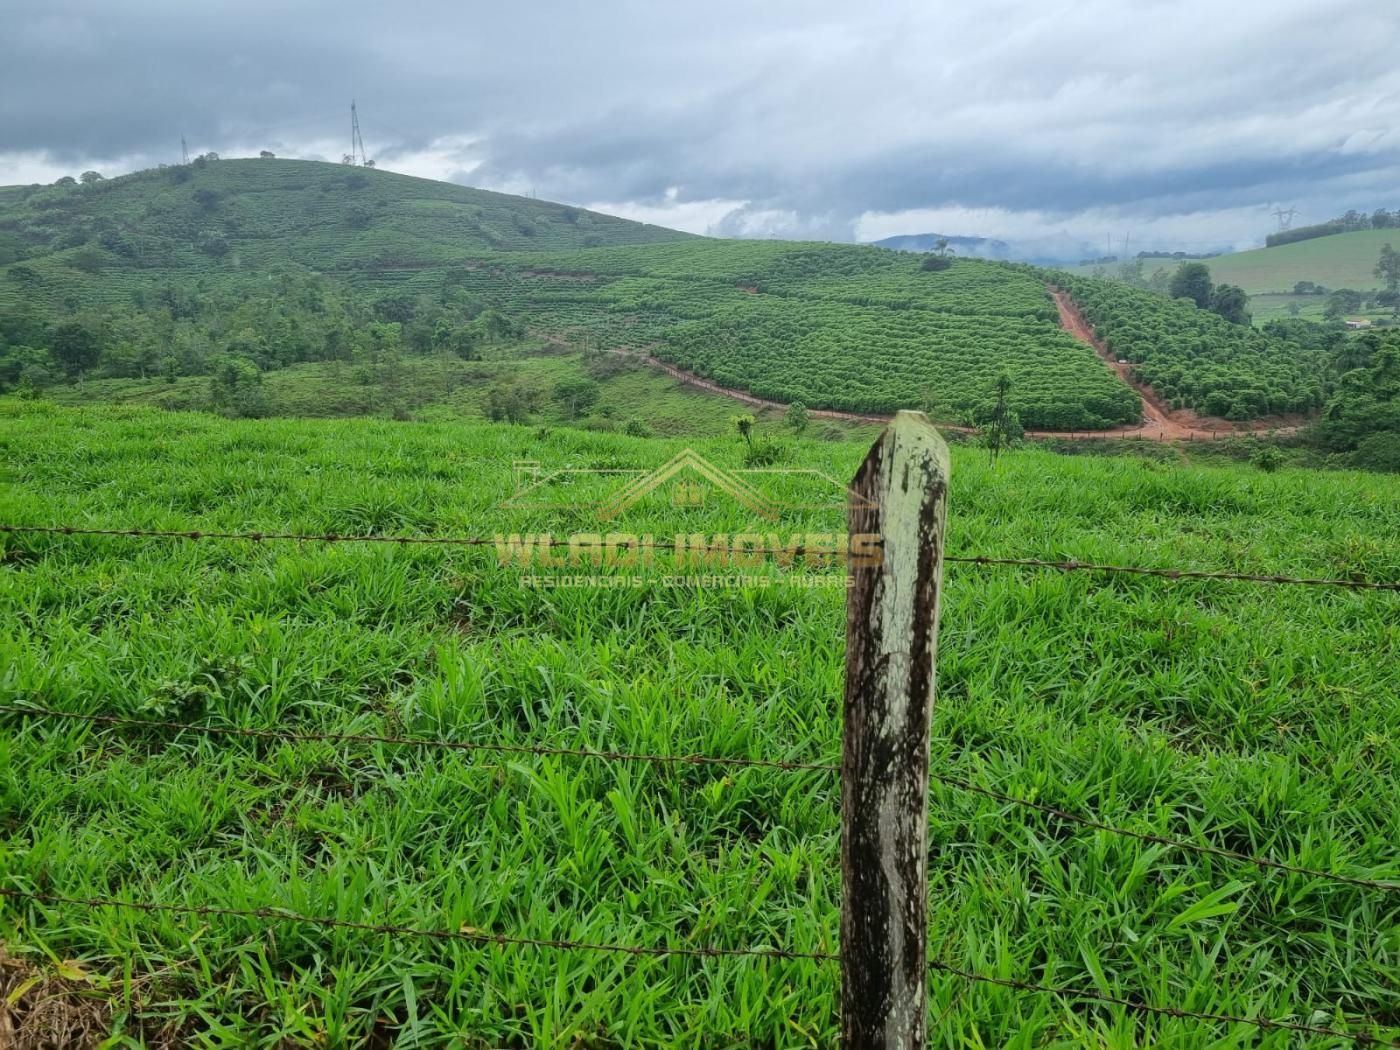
[[1285, 218], [357, 144], [184, 151]]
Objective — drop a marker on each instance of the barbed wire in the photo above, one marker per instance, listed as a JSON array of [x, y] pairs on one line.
[[1163, 840], [462, 934], [1071, 992], [956, 783], [482, 937], [424, 742], [633, 544], [1176, 574]]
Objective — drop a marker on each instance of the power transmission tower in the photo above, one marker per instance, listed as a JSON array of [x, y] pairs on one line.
[[357, 144], [184, 151], [1285, 218]]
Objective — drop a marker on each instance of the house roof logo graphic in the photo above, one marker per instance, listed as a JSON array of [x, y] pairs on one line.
[[534, 487]]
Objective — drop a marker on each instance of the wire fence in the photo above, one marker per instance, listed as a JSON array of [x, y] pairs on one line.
[[483, 938], [479, 747], [1171, 573]]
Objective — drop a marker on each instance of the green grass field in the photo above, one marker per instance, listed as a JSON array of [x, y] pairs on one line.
[[1253, 718], [1344, 260], [1310, 307], [444, 387]]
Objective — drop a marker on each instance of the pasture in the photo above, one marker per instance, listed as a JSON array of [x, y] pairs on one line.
[[1343, 260], [1253, 718]]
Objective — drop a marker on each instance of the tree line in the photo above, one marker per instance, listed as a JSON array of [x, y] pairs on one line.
[[1380, 219]]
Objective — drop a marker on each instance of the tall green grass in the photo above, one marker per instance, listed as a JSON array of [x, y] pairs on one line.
[[1260, 719]]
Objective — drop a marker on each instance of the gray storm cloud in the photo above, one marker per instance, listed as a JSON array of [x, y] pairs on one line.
[[814, 119]]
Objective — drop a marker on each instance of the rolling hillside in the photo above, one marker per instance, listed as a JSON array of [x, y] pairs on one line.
[[1344, 260], [250, 213], [255, 265]]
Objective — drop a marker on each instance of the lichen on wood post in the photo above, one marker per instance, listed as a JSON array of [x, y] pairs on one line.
[[900, 493]]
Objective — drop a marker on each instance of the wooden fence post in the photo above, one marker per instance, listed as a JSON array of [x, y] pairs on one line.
[[900, 493]]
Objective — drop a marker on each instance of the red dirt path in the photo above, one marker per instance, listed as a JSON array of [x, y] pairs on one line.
[[1159, 423]]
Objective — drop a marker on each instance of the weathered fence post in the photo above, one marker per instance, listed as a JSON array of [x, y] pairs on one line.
[[900, 493]]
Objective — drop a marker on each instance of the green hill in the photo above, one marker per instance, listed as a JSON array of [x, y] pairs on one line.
[[263, 264], [254, 213], [1343, 260]]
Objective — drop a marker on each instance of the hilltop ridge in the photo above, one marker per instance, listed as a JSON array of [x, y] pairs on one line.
[[258, 212]]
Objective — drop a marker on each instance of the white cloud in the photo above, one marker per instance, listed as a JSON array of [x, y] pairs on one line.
[[803, 118]]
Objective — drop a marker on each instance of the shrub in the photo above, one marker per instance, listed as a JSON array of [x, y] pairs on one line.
[[1379, 452], [763, 453], [235, 388], [796, 417], [1268, 459]]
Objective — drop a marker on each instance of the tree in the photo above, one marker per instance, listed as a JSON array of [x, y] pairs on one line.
[[498, 326], [576, 396], [1388, 270], [1231, 303], [235, 388], [1000, 423], [455, 339], [1344, 301], [76, 346], [267, 154], [935, 263], [89, 177], [1192, 281], [1381, 219], [509, 400], [1363, 416], [796, 417], [744, 425]]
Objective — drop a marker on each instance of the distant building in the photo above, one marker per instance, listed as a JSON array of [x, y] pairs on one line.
[[1362, 323]]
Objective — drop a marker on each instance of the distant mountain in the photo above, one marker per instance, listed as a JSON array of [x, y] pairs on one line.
[[1057, 249], [980, 247]]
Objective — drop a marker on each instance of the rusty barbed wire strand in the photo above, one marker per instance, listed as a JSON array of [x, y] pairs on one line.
[[424, 742], [475, 936], [1163, 840], [1070, 992], [1175, 574], [956, 783], [799, 551], [463, 934]]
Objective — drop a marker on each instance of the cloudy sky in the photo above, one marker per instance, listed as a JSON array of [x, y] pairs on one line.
[[1175, 122]]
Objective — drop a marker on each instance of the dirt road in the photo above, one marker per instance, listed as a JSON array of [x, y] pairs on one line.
[[1159, 424]]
